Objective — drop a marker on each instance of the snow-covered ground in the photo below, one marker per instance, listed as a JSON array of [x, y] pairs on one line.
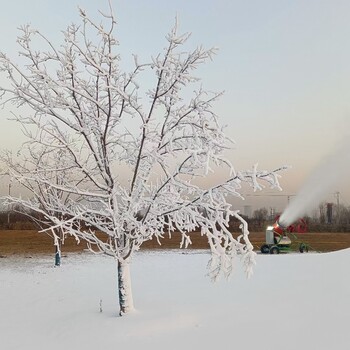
[[291, 302]]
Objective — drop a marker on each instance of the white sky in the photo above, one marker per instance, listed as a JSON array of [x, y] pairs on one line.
[[284, 66]]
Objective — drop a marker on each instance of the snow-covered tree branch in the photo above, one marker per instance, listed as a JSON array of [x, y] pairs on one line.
[[90, 123]]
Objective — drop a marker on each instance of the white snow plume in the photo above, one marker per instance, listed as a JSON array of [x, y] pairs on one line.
[[320, 182]]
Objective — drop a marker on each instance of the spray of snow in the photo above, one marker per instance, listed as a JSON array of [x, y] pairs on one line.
[[321, 181]]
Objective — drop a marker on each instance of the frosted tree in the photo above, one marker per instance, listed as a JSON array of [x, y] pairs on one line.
[[33, 160], [114, 158]]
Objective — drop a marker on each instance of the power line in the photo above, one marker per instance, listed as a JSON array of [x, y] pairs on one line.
[[270, 195]]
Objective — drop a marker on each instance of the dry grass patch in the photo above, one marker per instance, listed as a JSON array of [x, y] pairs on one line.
[[29, 242]]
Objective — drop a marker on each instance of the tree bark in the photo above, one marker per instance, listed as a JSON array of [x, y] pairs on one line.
[[126, 303], [57, 253]]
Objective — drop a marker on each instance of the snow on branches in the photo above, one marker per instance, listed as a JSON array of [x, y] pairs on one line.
[[90, 124]]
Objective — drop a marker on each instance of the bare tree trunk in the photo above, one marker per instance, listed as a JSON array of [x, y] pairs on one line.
[[57, 252], [124, 287], [58, 256]]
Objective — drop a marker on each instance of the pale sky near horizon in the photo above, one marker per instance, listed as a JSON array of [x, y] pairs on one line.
[[284, 66]]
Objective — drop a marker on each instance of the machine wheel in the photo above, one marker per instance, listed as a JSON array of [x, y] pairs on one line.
[[274, 250], [303, 248], [265, 249]]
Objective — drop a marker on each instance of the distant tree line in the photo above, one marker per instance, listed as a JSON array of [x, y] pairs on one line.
[[17, 219], [327, 218], [338, 220]]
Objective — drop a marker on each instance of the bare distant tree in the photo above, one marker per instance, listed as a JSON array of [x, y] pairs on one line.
[[91, 124], [260, 215]]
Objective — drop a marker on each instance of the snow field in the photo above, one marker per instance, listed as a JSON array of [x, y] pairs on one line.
[[295, 301]]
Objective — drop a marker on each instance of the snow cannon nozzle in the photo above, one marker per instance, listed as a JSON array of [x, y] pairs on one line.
[[278, 228]]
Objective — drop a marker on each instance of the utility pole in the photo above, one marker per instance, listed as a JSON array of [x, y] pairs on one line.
[[337, 194], [9, 208]]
